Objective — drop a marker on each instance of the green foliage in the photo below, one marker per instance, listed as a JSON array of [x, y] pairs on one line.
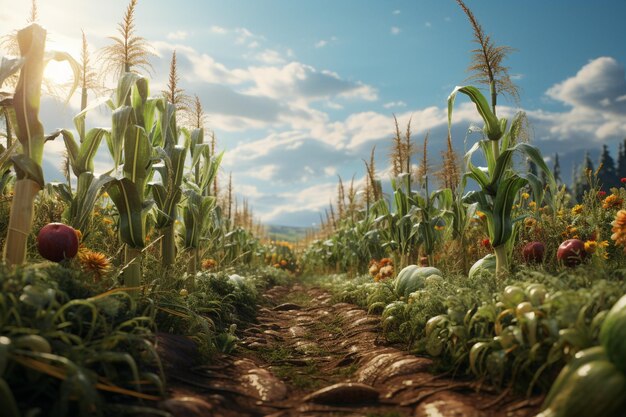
[[60, 340]]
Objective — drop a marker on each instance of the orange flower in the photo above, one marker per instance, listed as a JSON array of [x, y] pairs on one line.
[[283, 262], [612, 201], [373, 268], [209, 263], [94, 262], [385, 261], [619, 229], [385, 272], [577, 209]]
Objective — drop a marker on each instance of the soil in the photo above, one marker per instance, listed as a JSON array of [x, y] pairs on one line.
[[308, 356]]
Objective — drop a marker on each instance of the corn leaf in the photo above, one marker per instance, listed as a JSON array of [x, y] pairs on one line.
[[132, 211], [492, 125], [502, 207], [137, 157]]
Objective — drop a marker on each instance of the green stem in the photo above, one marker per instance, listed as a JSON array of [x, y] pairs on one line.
[[168, 246], [495, 146], [501, 260], [132, 272]]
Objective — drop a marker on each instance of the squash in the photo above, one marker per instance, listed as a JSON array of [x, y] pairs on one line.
[[595, 388], [236, 280], [488, 263], [580, 358], [613, 334], [413, 278]]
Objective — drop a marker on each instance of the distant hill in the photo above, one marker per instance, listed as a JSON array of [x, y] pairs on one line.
[[286, 233]]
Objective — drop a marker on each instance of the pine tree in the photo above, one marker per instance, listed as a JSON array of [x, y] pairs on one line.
[[581, 183], [556, 169], [621, 160], [607, 173]]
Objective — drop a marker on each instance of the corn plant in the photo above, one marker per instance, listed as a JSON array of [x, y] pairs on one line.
[[30, 133], [88, 186], [199, 206], [168, 193], [499, 181], [130, 139]]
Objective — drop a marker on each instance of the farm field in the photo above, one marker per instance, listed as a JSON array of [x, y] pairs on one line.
[[288, 240]]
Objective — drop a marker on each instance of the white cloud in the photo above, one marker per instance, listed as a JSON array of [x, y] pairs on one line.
[[428, 25], [265, 172], [179, 35], [393, 104], [313, 198], [396, 12], [320, 44], [219, 30], [270, 57], [395, 30], [600, 81], [330, 171]]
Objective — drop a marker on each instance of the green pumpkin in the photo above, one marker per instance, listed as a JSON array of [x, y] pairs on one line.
[[488, 263], [413, 278], [613, 334], [236, 280], [595, 388]]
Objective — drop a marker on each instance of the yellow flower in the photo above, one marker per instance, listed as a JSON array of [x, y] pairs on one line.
[[94, 262], [530, 222], [532, 205], [184, 292], [577, 209], [525, 196], [439, 228], [481, 215], [591, 246], [619, 229], [107, 220], [612, 201]]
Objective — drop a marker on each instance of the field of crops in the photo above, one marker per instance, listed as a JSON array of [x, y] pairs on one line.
[[487, 287]]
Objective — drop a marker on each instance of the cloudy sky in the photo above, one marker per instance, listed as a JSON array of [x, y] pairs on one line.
[[299, 92]]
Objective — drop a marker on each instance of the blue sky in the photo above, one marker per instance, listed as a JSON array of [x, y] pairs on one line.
[[298, 92]]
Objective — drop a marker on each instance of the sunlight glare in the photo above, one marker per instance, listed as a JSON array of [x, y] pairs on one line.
[[58, 73]]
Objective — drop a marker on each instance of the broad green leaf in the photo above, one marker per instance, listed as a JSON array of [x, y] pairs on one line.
[[132, 211], [503, 204], [492, 125], [124, 88], [137, 156], [119, 124], [88, 190], [88, 150], [27, 168]]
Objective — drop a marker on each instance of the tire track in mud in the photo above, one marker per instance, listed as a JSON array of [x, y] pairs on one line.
[[310, 357]]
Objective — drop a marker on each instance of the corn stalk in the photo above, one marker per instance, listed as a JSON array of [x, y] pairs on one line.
[[29, 131], [499, 182], [130, 140], [168, 193]]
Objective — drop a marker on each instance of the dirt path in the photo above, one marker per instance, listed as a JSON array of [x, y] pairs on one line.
[[309, 357]]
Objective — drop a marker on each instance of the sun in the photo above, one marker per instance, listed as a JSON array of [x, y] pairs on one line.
[[58, 73]]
